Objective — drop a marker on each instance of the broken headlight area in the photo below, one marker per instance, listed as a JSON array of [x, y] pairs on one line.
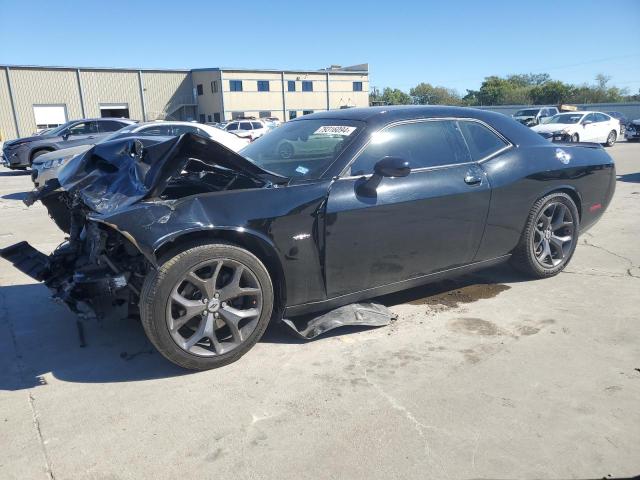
[[95, 272]]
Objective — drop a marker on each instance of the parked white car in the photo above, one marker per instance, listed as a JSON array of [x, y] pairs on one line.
[[250, 129], [45, 167], [586, 126]]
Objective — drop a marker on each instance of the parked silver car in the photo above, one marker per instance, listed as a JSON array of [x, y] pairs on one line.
[[46, 166], [20, 153]]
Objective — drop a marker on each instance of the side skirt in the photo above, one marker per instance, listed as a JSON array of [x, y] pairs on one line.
[[331, 303]]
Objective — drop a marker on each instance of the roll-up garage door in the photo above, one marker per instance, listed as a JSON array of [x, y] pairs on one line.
[[49, 116]]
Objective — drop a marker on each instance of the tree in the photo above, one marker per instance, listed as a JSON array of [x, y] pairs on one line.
[[551, 92], [427, 94], [395, 96]]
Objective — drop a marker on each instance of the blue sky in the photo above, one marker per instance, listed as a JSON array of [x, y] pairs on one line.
[[455, 44]]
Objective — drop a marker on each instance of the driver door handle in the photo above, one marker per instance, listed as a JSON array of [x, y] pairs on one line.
[[472, 178]]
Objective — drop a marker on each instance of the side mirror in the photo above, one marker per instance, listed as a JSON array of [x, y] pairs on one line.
[[387, 167], [392, 167], [586, 122], [65, 134]]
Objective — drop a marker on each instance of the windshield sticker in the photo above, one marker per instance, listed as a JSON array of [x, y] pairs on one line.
[[302, 170], [335, 130]]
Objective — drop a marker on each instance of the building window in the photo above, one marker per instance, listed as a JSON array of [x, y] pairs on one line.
[[236, 115], [199, 89], [292, 114], [357, 86], [202, 120], [291, 85], [263, 85], [214, 86], [216, 117], [307, 112], [264, 114], [208, 118], [235, 85], [307, 86]]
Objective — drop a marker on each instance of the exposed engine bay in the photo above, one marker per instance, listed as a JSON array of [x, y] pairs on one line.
[[99, 270]]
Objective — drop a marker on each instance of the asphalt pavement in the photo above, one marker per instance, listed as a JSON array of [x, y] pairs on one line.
[[489, 375]]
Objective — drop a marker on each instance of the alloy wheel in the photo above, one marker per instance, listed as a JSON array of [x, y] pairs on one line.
[[554, 235], [214, 308]]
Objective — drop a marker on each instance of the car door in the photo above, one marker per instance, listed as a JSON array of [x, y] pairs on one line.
[[605, 125], [80, 134], [411, 226], [590, 129]]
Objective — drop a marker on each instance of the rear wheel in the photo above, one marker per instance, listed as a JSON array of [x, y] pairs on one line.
[[611, 139], [207, 306], [549, 238]]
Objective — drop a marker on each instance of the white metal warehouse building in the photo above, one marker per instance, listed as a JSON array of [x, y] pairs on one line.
[[34, 97]]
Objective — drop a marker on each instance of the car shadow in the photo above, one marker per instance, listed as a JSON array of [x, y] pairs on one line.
[[15, 173], [41, 337], [15, 196], [629, 178], [449, 293]]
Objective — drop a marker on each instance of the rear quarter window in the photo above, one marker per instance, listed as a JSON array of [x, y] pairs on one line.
[[481, 141]]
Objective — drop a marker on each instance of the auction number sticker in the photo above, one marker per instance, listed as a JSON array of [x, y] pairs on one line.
[[335, 130]]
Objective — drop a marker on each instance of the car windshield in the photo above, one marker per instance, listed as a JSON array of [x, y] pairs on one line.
[[532, 112], [58, 130], [566, 118], [303, 148]]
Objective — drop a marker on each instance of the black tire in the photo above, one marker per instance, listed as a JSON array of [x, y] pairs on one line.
[[37, 154], [575, 138], [611, 139], [160, 283], [524, 256]]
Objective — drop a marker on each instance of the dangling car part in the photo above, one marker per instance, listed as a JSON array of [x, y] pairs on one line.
[[209, 245]]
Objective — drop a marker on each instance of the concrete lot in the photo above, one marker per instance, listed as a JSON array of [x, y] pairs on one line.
[[489, 376]]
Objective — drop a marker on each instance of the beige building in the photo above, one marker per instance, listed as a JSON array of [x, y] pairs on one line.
[[33, 98], [225, 94]]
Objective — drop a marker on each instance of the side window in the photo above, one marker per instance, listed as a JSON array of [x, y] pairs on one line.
[[84, 128], [600, 117], [256, 125], [590, 118], [481, 141], [109, 126], [180, 129], [232, 126], [245, 126], [553, 111], [156, 130], [422, 144]]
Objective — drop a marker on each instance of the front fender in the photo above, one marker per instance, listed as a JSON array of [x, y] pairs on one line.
[[287, 222]]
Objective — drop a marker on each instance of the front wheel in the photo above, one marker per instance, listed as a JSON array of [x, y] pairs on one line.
[[611, 139], [549, 238], [207, 306], [575, 138]]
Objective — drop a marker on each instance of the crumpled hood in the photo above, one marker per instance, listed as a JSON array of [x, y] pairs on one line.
[[552, 127], [113, 175]]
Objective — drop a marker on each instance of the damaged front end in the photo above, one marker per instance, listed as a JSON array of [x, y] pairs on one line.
[[99, 270], [94, 272]]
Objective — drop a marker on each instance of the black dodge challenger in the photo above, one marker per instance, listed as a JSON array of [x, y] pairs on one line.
[[333, 208]]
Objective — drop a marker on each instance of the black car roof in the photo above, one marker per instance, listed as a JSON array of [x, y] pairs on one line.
[[377, 117]]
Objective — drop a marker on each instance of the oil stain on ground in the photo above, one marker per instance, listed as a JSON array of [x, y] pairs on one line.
[[475, 326], [466, 294]]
